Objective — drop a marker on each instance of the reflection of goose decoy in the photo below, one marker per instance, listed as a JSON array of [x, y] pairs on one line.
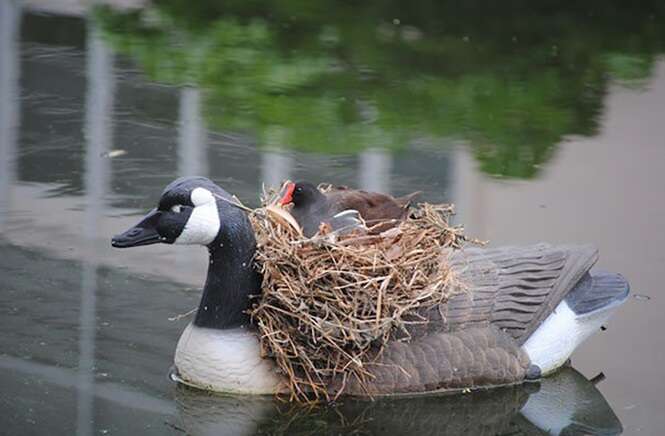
[[527, 310], [203, 414], [311, 207], [569, 404], [565, 404]]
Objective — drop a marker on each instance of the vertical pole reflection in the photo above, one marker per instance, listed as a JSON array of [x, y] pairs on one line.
[[10, 21], [275, 167], [192, 154], [375, 167], [98, 119], [192, 150]]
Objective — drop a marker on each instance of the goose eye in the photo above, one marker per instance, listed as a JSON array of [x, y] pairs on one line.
[[176, 208]]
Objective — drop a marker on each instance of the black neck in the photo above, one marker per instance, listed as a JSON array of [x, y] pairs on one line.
[[232, 280]]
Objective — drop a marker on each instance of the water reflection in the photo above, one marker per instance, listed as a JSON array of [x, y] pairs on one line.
[[375, 170], [355, 80], [192, 146], [276, 166], [350, 98], [566, 404], [117, 394], [10, 24], [78, 355], [98, 134]]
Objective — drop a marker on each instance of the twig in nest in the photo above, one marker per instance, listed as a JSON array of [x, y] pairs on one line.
[[182, 315]]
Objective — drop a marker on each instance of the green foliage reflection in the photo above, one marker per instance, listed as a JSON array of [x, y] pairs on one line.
[[337, 77]]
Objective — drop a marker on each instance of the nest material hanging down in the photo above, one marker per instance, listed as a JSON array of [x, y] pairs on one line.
[[331, 302]]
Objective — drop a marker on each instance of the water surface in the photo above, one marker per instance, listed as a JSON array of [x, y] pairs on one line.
[[541, 122]]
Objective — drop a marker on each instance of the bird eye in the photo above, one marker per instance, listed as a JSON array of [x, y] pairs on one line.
[[176, 208], [298, 189]]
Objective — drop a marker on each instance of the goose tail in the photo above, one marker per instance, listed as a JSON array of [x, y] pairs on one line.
[[584, 310], [598, 292]]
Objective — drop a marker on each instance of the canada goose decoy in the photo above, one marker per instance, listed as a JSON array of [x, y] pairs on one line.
[[526, 309], [311, 207]]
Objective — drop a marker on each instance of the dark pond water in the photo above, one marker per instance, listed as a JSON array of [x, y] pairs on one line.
[[541, 122]]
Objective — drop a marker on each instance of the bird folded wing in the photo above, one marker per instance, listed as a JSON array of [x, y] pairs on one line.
[[511, 288], [477, 357]]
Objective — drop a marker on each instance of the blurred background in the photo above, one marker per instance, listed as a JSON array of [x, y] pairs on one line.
[[541, 121]]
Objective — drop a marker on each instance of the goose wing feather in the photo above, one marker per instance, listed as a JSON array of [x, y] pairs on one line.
[[511, 288], [444, 362]]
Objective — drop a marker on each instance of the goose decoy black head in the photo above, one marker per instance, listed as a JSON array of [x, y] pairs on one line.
[[195, 211], [188, 212]]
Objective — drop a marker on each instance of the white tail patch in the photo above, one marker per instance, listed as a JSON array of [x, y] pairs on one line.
[[557, 337]]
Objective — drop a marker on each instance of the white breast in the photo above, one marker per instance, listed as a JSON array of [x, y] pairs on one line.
[[225, 361]]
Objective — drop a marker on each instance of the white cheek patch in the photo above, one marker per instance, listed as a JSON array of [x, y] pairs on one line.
[[201, 196], [203, 224]]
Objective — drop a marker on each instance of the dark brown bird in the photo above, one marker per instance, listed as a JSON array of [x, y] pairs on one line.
[[311, 207]]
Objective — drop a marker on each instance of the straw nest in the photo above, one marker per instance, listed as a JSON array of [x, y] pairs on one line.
[[331, 302]]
